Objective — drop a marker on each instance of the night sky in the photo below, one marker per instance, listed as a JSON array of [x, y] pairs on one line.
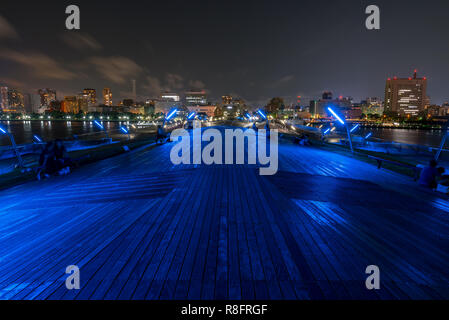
[[251, 49]]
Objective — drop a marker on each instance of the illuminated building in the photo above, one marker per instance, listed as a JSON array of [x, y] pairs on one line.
[[4, 97], [83, 102], [196, 98], [170, 97], [92, 96], [209, 110], [226, 100], [47, 96], [406, 96], [12, 100], [319, 108], [70, 105], [32, 102], [107, 97], [166, 102], [373, 106]]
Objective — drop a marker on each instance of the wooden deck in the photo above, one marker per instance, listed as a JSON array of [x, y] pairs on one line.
[[139, 227]]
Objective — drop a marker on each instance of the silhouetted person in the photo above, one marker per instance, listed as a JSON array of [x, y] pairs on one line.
[[47, 161], [160, 135], [429, 175], [62, 158]]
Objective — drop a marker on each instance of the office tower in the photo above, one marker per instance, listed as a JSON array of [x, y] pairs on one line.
[[134, 91], [166, 102], [91, 96], [227, 100], [16, 101], [406, 96], [32, 102], [47, 96], [107, 97], [70, 104], [196, 98], [4, 97]]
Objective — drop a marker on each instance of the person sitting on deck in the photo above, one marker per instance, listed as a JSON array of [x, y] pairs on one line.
[[47, 161], [63, 160], [304, 140], [442, 178], [429, 175], [161, 134]]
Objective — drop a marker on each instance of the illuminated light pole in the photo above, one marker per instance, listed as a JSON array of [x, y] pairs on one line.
[[125, 130], [340, 119], [170, 116], [191, 115], [14, 146], [355, 128], [101, 127], [443, 142], [37, 139], [262, 114]]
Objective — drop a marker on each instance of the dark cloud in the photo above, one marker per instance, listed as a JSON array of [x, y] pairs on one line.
[[7, 31], [115, 69], [41, 65], [80, 41]]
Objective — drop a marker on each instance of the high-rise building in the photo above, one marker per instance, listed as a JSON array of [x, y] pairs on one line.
[[16, 101], [319, 108], [92, 96], [47, 96], [226, 100], [32, 102], [4, 97], [406, 96], [196, 98], [372, 106], [107, 97], [166, 102], [70, 105]]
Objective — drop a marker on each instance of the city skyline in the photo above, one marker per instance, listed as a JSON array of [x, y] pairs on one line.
[[168, 49]]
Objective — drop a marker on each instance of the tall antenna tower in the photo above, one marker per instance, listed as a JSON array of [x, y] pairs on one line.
[[134, 91]]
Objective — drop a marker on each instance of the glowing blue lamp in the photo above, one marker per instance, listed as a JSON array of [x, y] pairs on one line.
[[336, 115]]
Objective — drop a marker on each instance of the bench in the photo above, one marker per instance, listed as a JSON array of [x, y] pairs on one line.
[[415, 169]]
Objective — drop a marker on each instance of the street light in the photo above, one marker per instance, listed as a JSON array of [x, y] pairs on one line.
[[191, 115], [14, 146], [340, 119], [125, 131], [355, 128], [171, 114], [37, 138], [101, 127], [262, 114]]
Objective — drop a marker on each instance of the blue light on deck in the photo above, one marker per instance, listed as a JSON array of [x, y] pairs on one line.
[[37, 138], [124, 130], [247, 115], [336, 115], [171, 114], [327, 131], [98, 124], [355, 128], [3, 131], [262, 114], [191, 115], [368, 135]]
